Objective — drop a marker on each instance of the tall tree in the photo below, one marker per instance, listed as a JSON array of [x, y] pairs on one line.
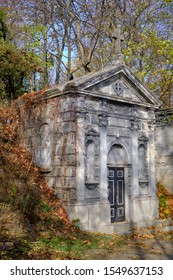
[[16, 64], [75, 36]]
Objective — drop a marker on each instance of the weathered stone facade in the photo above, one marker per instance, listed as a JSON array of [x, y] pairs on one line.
[[164, 147], [94, 138]]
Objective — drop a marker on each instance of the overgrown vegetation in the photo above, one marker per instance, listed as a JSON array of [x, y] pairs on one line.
[[165, 202], [27, 206], [17, 64]]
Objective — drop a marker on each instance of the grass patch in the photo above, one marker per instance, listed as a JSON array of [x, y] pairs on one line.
[[81, 245]]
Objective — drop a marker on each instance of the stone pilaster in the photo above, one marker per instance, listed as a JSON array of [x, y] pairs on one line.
[[80, 148], [134, 127], [135, 183], [152, 168], [103, 122]]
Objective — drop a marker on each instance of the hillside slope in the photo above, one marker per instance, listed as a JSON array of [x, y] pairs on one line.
[[28, 208]]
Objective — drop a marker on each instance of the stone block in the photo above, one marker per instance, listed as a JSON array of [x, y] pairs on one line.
[[65, 182], [57, 160], [112, 131], [71, 149], [138, 206], [93, 215], [117, 122], [69, 171], [69, 127], [81, 212], [69, 195], [68, 160], [154, 208], [71, 160], [124, 133], [68, 116], [65, 149], [122, 228], [105, 218], [91, 195], [57, 171], [50, 181]]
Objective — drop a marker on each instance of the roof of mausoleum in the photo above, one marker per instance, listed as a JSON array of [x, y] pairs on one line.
[[115, 82], [103, 83]]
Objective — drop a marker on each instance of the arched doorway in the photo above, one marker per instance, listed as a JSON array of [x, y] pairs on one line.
[[117, 158]]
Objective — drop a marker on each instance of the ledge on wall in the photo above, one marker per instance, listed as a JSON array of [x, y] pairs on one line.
[[45, 170]]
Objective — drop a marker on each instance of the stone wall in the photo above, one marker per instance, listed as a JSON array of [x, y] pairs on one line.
[[164, 147], [48, 129]]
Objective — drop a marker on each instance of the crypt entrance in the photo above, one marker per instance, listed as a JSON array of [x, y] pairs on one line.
[[117, 159]]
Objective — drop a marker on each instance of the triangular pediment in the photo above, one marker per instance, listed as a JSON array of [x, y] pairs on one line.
[[119, 84], [117, 88], [115, 83]]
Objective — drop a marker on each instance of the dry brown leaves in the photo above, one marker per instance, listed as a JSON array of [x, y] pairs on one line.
[[18, 171]]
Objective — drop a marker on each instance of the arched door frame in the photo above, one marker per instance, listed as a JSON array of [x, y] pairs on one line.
[[126, 165]]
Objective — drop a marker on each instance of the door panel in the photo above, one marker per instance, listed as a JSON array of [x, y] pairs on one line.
[[116, 193]]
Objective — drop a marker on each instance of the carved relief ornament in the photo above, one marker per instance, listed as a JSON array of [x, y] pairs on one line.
[[103, 119], [135, 124]]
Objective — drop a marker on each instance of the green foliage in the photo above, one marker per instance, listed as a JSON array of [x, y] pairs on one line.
[[151, 58], [3, 26], [162, 201], [165, 202], [75, 223], [69, 37], [14, 193], [45, 207], [15, 66]]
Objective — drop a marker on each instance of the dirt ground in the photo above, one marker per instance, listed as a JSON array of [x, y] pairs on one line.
[[146, 250], [141, 247]]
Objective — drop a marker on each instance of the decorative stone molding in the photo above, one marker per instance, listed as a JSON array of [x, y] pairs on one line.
[[91, 186], [92, 134], [87, 118], [104, 105], [81, 102], [135, 124], [91, 159], [143, 139], [144, 188], [80, 115], [103, 119], [151, 125], [118, 87], [135, 111], [94, 119]]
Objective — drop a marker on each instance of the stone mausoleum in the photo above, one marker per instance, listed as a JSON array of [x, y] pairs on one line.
[[94, 139]]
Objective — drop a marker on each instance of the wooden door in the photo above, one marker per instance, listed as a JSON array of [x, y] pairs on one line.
[[116, 193]]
